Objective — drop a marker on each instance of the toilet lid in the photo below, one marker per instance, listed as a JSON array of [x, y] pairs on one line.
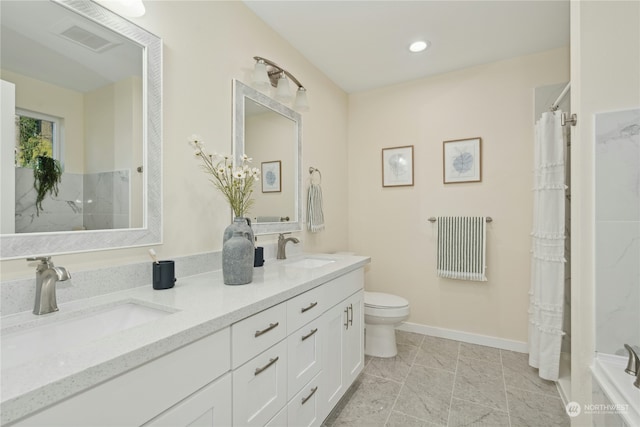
[[381, 300]]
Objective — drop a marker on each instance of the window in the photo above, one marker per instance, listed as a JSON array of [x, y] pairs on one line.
[[36, 135]]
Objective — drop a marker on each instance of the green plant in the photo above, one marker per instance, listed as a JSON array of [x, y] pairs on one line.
[[47, 173], [235, 183]]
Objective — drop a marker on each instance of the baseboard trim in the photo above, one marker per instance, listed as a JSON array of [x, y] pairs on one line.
[[501, 343]]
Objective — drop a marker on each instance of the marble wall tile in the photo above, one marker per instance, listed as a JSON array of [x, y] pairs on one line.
[[426, 394], [617, 291], [617, 166], [527, 409], [62, 212]]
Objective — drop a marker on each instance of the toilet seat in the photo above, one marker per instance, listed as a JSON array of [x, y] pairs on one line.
[[382, 300]]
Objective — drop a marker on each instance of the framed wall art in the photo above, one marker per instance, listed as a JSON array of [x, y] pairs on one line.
[[397, 166], [462, 160], [271, 177]]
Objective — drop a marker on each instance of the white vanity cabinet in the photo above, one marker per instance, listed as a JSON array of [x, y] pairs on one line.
[[144, 393]]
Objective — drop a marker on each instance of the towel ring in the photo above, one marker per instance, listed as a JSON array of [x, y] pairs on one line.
[[312, 170]]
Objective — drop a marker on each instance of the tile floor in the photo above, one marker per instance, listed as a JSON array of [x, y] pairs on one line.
[[439, 382]]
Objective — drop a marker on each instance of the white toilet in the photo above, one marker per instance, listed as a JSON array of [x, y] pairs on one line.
[[382, 313]]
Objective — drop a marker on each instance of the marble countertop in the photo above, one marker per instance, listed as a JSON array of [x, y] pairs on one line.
[[200, 305]]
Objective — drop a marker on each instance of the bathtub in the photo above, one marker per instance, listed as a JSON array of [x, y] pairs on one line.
[[617, 385]]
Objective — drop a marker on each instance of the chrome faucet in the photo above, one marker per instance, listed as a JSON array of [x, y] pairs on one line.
[[47, 275], [282, 244], [633, 365]]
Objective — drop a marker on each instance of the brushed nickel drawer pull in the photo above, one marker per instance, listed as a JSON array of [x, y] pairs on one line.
[[264, 331], [351, 319], [313, 304], [309, 334], [271, 362], [346, 322], [313, 391]]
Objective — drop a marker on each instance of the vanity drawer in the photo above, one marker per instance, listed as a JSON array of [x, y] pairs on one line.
[[305, 307], [255, 334], [342, 287], [260, 387], [304, 351]]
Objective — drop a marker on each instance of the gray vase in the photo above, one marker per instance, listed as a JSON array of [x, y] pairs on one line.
[[239, 224], [237, 260]]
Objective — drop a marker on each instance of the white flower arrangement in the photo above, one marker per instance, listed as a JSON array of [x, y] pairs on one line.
[[235, 183]]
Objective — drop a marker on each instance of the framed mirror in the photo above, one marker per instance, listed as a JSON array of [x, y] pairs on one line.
[[86, 84], [271, 134]]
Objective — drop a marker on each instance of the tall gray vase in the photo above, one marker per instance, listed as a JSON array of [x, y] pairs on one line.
[[237, 260], [239, 224]]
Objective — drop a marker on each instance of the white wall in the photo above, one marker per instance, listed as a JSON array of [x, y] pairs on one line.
[[494, 102], [605, 76], [206, 45]]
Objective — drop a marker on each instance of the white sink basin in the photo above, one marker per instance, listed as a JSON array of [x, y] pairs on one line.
[[311, 262], [38, 341]]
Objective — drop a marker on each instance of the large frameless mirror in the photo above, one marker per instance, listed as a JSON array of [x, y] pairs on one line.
[[271, 134], [81, 87]]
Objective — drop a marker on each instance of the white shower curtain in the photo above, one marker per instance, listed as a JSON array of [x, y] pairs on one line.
[[547, 261]]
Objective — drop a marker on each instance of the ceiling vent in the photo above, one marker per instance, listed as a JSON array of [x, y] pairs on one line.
[[87, 39]]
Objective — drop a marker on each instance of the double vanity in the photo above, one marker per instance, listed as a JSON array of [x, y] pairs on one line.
[[279, 351]]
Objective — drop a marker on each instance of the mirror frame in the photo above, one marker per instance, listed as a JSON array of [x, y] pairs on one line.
[[242, 92], [41, 244]]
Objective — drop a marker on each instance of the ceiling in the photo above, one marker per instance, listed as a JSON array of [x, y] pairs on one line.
[[361, 45]]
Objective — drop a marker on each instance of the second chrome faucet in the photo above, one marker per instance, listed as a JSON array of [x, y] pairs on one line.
[[282, 245]]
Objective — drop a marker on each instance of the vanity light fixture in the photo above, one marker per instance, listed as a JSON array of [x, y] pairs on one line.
[[419, 46], [267, 73]]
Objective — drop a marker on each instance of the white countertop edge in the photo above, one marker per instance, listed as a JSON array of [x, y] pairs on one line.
[[106, 358]]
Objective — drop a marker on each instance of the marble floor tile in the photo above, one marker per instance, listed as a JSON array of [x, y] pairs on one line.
[[369, 404], [518, 374], [398, 419], [480, 382], [438, 353], [409, 338], [469, 414], [426, 394], [480, 352], [440, 382], [528, 409], [395, 368]]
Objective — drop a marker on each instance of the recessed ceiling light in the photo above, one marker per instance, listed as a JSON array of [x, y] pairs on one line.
[[419, 46]]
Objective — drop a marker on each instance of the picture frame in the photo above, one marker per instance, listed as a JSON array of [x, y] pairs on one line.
[[462, 160], [271, 176], [397, 166]]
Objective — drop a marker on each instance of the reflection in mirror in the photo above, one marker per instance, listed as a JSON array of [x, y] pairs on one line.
[[78, 100], [271, 134], [84, 89]]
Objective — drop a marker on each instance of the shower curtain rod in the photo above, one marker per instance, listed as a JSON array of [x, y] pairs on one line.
[[556, 104]]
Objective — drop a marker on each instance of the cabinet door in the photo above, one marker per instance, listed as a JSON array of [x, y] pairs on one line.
[[209, 407], [353, 360], [260, 387], [305, 355], [305, 408], [332, 387]]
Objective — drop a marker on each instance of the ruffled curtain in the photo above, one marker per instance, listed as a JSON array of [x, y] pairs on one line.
[[546, 296]]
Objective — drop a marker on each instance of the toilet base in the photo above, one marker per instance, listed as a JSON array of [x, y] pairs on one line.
[[380, 340]]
